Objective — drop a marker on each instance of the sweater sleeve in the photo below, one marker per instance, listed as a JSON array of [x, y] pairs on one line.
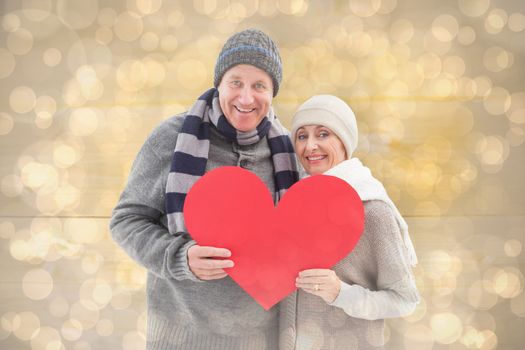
[[138, 221], [396, 293]]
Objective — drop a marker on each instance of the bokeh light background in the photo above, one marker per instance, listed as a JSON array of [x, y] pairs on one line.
[[438, 88]]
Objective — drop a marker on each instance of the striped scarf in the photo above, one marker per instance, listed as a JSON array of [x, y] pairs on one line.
[[193, 144]]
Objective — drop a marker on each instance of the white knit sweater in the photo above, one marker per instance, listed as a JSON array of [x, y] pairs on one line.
[[377, 283]]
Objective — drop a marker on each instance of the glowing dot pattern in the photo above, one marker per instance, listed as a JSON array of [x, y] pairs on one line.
[[441, 113]]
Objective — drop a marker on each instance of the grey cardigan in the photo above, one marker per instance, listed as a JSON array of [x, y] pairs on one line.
[[183, 311], [375, 274]]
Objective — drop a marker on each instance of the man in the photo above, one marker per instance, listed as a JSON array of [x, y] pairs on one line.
[[192, 303]]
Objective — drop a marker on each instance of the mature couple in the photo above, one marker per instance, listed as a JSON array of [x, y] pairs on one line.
[[192, 303]]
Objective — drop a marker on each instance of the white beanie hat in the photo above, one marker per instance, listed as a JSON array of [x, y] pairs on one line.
[[331, 112]]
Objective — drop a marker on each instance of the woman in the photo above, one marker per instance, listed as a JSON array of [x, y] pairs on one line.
[[344, 307], [192, 303]]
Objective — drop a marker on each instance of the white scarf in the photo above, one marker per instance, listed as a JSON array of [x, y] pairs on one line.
[[369, 188]]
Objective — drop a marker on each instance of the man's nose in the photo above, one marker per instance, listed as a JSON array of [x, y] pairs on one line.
[[246, 96]]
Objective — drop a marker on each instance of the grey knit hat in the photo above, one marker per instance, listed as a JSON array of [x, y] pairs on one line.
[[251, 46], [331, 112]]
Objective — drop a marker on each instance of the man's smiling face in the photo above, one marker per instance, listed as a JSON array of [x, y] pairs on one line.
[[245, 96]]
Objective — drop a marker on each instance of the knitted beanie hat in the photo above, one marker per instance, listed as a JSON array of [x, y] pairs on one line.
[[251, 46], [331, 112]]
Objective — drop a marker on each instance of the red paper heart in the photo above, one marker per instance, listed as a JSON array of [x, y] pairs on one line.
[[317, 223]]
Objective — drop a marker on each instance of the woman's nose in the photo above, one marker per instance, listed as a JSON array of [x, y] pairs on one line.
[[311, 145]]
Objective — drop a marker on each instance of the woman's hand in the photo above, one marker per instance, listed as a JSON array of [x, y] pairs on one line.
[[321, 282]]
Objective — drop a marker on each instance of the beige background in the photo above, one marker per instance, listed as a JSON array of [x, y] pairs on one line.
[[438, 90]]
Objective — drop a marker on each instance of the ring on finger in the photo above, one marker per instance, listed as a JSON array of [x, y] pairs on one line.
[[316, 287]]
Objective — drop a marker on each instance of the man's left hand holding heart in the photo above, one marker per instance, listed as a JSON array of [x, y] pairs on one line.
[[321, 282]]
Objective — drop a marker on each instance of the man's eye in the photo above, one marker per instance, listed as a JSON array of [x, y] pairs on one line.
[[260, 86], [236, 83]]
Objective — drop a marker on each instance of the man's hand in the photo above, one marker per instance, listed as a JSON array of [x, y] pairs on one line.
[[204, 262]]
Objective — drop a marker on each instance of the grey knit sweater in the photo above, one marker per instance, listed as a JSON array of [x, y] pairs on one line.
[[377, 283], [184, 312]]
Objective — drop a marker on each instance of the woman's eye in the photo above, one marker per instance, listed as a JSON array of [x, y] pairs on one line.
[[301, 137], [324, 134]]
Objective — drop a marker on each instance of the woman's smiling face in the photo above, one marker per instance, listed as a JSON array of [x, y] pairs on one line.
[[318, 148]]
